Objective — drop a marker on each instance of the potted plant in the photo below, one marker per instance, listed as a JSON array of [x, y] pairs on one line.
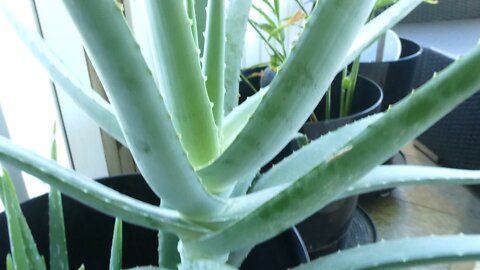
[[201, 162]]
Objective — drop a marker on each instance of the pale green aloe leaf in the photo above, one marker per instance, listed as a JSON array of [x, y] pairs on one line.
[[281, 175], [379, 25], [239, 116], [181, 81], [85, 97], [402, 253], [214, 57], [140, 107], [204, 265], [294, 93], [310, 156], [236, 27], [56, 225], [201, 19], [192, 16], [399, 125], [22, 245], [389, 176], [117, 246], [94, 194]]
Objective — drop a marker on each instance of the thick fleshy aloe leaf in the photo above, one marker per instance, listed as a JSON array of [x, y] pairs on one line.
[[24, 250], [180, 80], [294, 93], [117, 246], [94, 194], [310, 156], [85, 97], [402, 253], [379, 25], [214, 57], [399, 125], [238, 118], [388, 176], [142, 114], [236, 27]]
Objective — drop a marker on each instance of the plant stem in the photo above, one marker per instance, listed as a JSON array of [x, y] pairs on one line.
[[343, 92], [302, 7], [274, 50], [351, 90], [328, 103], [247, 81]]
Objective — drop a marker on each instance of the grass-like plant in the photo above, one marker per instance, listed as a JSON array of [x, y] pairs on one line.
[[201, 158]]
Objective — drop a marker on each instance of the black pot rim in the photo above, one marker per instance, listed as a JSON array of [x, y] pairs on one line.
[[351, 117], [417, 52]]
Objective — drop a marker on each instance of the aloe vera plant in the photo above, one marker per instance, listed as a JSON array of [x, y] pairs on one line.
[[201, 158]]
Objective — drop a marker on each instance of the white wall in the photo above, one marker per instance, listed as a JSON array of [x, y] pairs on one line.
[[29, 103]]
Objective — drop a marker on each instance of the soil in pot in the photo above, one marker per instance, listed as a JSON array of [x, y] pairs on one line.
[[89, 234]]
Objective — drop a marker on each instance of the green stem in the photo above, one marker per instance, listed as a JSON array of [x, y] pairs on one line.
[[343, 91], [351, 90], [247, 81], [301, 7], [266, 40], [328, 103]]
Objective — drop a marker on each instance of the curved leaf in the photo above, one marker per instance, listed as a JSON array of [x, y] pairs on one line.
[[94, 194], [402, 253], [389, 176]]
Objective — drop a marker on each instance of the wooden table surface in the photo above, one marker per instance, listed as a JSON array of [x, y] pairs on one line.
[[426, 210]]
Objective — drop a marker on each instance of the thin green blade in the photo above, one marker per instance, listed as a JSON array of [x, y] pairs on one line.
[[23, 247], [57, 236], [117, 246]]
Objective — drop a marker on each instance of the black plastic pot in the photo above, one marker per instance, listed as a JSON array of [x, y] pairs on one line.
[[326, 230], [395, 77], [89, 234]]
